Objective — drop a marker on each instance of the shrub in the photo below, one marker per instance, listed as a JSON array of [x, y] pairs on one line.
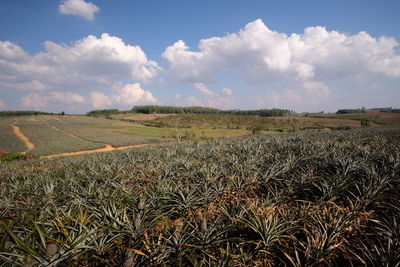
[[13, 156]]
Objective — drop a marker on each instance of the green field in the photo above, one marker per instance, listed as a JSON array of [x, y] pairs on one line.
[[298, 199], [52, 134], [8, 140], [235, 122], [218, 190], [61, 134]]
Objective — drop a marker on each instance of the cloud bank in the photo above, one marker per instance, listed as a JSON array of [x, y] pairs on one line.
[[91, 64], [80, 8], [298, 70], [222, 99], [92, 61], [259, 54], [306, 70]]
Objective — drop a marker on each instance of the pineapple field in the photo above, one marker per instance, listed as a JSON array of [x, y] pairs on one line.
[[52, 135], [294, 199]]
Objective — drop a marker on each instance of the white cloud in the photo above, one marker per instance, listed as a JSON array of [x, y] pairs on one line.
[[35, 101], [80, 8], [193, 101], [129, 94], [316, 89], [223, 99], [96, 63], [226, 92], [67, 97], [103, 59], [12, 52], [99, 100], [292, 97], [133, 94], [203, 89], [285, 99], [42, 101], [32, 85], [257, 54], [2, 104]]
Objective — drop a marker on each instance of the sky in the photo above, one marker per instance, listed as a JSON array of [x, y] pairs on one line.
[[303, 55]]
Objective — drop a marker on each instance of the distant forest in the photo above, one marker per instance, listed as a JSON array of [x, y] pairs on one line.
[[194, 110], [23, 113], [364, 110]]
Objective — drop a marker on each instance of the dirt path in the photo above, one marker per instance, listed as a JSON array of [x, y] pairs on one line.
[[29, 145], [107, 148], [20, 135]]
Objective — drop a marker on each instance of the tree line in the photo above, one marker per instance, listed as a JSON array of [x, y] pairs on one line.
[[363, 110], [149, 109], [23, 113], [206, 110]]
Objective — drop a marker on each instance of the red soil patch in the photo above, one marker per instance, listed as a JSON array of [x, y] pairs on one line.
[[2, 152]]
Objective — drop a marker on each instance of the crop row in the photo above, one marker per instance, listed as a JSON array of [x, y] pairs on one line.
[[295, 199]]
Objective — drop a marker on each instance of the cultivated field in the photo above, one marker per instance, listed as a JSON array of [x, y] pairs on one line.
[[54, 135], [49, 135], [314, 190], [204, 126], [299, 199]]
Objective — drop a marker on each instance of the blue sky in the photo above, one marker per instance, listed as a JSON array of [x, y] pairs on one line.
[[79, 55]]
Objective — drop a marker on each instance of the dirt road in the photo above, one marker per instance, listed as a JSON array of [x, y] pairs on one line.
[[20, 135], [107, 148]]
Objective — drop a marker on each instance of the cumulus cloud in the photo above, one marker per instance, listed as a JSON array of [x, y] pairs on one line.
[[99, 100], [316, 89], [41, 101], [132, 94], [222, 99], [89, 63], [2, 104], [32, 85], [11, 52], [35, 101], [193, 101], [259, 54], [80, 8], [127, 95], [203, 89], [67, 97], [226, 92]]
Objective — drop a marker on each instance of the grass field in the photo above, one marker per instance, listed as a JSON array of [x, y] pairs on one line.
[[297, 199]]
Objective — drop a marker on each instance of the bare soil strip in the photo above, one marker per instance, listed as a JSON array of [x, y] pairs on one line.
[[107, 148], [20, 135]]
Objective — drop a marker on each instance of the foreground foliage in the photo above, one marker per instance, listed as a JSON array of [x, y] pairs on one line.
[[297, 200]]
